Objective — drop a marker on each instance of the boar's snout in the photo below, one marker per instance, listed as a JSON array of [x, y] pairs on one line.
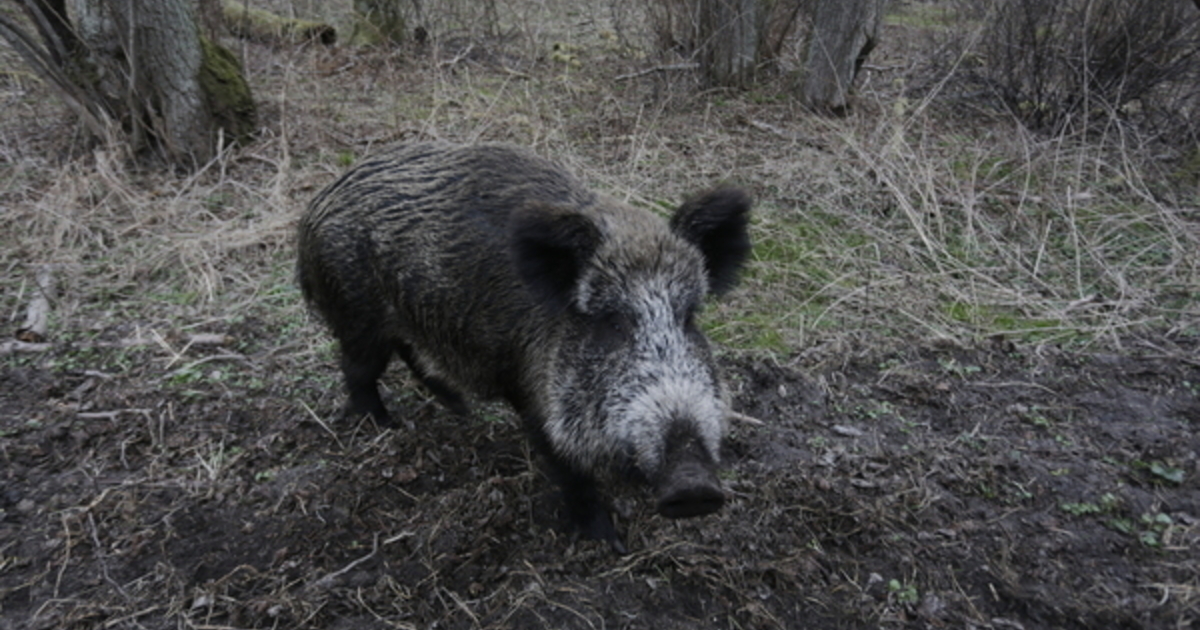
[[691, 489]]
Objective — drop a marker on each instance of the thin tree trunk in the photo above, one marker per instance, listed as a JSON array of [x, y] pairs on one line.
[[729, 36], [844, 33]]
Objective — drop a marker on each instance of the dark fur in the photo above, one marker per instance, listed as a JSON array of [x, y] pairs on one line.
[[495, 274]]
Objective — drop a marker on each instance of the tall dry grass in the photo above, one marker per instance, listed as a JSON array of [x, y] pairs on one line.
[[898, 223]]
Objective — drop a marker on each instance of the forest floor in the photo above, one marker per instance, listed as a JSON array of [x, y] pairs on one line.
[[958, 487], [175, 456]]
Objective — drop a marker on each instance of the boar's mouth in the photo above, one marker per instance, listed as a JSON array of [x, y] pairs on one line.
[[691, 489]]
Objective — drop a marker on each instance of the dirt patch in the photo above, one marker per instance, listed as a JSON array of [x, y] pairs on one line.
[[992, 486]]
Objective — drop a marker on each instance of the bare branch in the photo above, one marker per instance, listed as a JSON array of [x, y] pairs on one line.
[[641, 73], [42, 63], [50, 17]]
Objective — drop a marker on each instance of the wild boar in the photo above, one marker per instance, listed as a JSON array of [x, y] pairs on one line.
[[493, 273]]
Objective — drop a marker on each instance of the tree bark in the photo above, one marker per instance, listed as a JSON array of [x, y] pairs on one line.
[[729, 36], [164, 43], [138, 72], [844, 33]]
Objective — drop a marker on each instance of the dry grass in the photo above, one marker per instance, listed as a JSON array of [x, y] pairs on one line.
[[900, 221]]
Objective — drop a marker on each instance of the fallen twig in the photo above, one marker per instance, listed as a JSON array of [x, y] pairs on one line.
[[787, 135], [228, 356], [751, 420], [316, 418], [462, 54], [326, 582], [199, 339], [641, 73], [109, 415], [13, 346]]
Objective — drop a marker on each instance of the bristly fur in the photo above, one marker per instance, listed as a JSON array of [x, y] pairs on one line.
[[495, 274]]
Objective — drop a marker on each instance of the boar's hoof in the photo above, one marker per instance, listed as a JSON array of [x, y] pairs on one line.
[[592, 520], [691, 490], [357, 410]]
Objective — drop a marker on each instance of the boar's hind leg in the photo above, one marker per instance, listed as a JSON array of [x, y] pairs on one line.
[[589, 515], [364, 360], [445, 394]]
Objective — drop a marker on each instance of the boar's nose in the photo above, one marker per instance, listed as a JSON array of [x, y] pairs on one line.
[[691, 489]]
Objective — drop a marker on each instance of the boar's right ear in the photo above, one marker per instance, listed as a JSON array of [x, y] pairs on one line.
[[715, 222], [550, 247]]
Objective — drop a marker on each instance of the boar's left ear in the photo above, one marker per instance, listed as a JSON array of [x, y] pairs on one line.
[[550, 247], [715, 222]]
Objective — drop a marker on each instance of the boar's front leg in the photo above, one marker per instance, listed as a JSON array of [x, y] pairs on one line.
[[587, 512]]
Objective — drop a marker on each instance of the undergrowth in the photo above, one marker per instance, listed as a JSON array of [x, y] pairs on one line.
[[899, 222]]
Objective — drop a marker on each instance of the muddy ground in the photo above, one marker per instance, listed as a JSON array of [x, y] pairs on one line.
[[997, 486]]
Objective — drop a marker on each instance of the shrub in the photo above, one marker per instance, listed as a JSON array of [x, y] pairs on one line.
[[1060, 66]]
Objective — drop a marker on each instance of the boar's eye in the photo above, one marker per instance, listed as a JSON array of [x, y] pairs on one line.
[[612, 329]]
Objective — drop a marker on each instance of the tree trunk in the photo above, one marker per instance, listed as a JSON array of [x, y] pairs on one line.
[[138, 71], [164, 43], [844, 33], [380, 22], [729, 40]]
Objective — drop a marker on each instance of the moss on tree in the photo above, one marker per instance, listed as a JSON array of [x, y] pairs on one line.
[[226, 92]]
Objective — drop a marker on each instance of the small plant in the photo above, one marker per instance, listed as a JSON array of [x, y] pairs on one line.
[[875, 410], [1161, 471], [1107, 503], [1080, 509], [902, 593], [1036, 417], [888, 365], [1168, 473], [952, 366], [1152, 530], [974, 441], [264, 475], [1020, 492]]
